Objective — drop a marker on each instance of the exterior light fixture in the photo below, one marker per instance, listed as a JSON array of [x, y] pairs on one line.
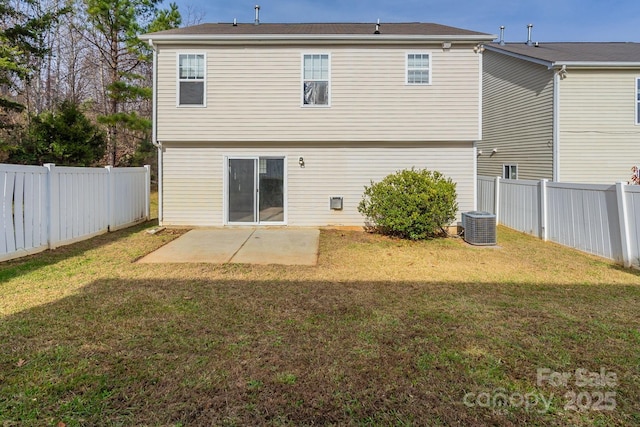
[[562, 72]]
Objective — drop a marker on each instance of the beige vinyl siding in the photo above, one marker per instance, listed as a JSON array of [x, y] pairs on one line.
[[193, 177], [254, 94], [599, 140], [517, 115]]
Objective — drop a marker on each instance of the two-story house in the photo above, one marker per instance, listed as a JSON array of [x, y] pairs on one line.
[[286, 123], [561, 111]]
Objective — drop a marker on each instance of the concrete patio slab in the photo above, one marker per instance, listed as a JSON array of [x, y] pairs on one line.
[[280, 246], [289, 246], [214, 246]]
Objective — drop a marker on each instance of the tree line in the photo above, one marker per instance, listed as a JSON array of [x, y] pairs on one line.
[[75, 80]]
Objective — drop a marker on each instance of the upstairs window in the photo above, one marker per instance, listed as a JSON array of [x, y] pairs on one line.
[[418, 68], [191, 72], [315, 79]]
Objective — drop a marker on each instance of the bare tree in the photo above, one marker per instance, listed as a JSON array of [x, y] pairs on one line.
[[113, 29], [193, 15], [91, 57]]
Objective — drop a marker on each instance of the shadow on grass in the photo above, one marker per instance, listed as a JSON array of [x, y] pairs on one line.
[[635, 271], [30, 263], [163, 352]]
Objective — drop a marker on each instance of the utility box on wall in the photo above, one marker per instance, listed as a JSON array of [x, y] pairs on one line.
[[335, 203]]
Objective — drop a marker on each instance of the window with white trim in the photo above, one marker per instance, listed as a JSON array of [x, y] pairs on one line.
[[510, 171], [418, 68], [638, 100], [315, 79], [191, 79]]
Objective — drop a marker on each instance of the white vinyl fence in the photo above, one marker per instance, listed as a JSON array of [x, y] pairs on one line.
[[43, 207], [599, 219]]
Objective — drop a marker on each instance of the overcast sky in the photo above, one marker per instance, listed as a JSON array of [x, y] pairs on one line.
[[553, 20]]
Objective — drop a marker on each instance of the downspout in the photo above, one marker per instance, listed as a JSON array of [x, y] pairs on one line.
[[475, 176], [556, 127], [475, 143], [154, 127]]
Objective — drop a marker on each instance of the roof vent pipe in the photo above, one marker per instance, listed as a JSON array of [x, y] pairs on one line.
[[502, 43], [257, 21], [235, 22], [377, 31], [529, 28]]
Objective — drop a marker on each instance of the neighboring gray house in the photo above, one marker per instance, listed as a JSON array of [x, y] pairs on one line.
[[263, 124], [562, 111]]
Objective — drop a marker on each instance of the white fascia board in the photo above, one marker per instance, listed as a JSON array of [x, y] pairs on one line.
[[547, 64], [588, 64], [559, 64], [311, 38]]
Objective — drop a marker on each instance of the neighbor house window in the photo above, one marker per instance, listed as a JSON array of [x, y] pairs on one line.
[[638, 100], [191, 72], [315, 79], [418, 68], [510, 171]]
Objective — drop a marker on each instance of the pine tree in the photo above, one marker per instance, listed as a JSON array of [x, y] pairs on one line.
[[115, 26], [65, 137]]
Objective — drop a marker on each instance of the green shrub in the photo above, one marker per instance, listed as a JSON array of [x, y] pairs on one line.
[[64, 136], [411, 204]]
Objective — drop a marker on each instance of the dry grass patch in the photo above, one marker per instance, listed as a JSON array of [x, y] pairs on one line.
[[381, 332]]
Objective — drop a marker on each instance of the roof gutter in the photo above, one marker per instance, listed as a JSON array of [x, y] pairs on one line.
[[591, 64], [547, 64], [555, 65], [307, 38]]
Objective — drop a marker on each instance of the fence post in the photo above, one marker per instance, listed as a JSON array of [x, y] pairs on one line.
[[497, 200], [544, 234], [111, 198], [624, 224], [53, 205], [147, 190]]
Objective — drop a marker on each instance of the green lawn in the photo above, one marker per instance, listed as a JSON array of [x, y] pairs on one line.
[[381, 332]]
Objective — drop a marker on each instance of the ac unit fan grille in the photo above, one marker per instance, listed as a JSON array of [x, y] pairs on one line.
[[479, 228]]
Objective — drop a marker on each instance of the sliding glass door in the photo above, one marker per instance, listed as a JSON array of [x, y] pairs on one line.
[[256, 190], [242, 190]]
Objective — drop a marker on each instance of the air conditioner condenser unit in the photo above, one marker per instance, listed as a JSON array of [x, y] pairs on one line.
[[479, 228]]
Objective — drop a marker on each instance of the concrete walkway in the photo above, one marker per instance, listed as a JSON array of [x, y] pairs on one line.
[[289, 246]]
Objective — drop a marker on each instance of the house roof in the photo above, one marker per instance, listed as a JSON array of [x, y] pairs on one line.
[[586, 54], [319, 31]]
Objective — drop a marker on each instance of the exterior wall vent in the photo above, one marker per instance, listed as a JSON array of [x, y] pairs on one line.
[[335, 203], [479, 228]]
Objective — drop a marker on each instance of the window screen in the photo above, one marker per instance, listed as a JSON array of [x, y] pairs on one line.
[[191, 72], [315, 85]]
